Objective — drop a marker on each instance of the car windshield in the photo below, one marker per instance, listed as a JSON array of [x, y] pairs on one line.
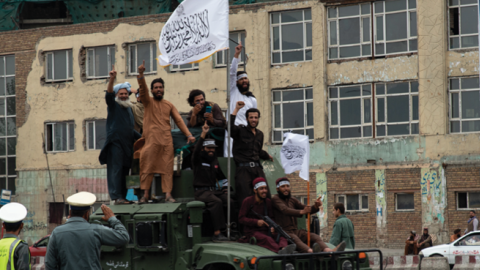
[[469, 240]]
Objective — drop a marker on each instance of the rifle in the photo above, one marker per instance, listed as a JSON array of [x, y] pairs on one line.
[[276, 227]]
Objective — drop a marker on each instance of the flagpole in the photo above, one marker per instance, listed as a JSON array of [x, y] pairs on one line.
[[308, 216], [228, 144]]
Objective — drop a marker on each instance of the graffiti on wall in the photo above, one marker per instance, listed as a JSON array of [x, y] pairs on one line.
[[380, 198], [321, 183], [433, 184]]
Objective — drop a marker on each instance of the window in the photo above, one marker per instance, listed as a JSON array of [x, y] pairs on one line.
[[397, 108], [138, 53], [97, 134], [463, 24], [60, 137], [293, 111], [291, 36], [395, 26], [302, 199], [464, 105], [184, 67], [8, 128], [59, 66], [349, 31], [404, 202], [470, 240], [100, 61], [221, 57], [354, 202], [468, 200], [350, 111]]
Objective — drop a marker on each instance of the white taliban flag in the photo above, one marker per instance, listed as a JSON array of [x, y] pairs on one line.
[[295, 154], [194, 31]]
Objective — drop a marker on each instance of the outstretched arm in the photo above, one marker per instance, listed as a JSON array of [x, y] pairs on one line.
[[144, 97], [234, 68]]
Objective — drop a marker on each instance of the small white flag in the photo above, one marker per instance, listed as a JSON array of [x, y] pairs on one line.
[[295, 154]]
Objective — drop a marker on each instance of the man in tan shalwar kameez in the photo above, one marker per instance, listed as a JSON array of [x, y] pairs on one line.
[[155, 148]]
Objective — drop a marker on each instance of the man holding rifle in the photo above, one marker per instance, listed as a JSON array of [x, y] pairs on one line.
[[253, 226], [288, 209]]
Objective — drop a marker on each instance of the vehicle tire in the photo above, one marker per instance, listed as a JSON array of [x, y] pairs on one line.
[[219, 266]]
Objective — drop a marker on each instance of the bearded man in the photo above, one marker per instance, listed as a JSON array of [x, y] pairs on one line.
[[239, 91], [209, 182], [258, 228], [425, 241], [155, 149], [247, 151], [288, 209], [118, 149]]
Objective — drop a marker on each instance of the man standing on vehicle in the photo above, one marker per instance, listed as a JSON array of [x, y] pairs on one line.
[[207, 176], [155, 148], [472, 223], [342, 228], [239, 91], [425, 241], [14, 252], [253, 226], [76, 244], [287, 209], [247, 151], [117, 152]]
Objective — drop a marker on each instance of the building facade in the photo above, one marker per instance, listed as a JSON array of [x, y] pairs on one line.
[[387, 91]]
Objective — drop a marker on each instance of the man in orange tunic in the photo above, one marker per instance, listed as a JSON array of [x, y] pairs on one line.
[[156, 146]]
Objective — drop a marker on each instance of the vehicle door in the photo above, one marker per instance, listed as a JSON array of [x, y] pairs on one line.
[[40, 248], [467, 245]]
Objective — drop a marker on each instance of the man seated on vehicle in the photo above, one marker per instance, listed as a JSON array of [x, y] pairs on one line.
[[206, 177], [456, 234], [425, 241], [253, 226], [411, 244], [287, 209]]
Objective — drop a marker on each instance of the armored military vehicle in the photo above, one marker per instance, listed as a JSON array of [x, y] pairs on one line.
[[178, 236]]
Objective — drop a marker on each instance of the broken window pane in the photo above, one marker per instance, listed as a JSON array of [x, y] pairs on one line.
[[350, 112], [397, 109], [405, 202], [292, 36], [349, 30], [352, 202]]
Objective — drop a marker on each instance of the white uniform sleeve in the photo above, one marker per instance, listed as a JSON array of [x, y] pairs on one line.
[[475, 224], [233, 76]]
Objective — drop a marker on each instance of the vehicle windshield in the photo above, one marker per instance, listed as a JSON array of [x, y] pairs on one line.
[[469, 240]]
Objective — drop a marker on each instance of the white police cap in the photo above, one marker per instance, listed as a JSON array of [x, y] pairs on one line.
[[13, 212], [81, 200]]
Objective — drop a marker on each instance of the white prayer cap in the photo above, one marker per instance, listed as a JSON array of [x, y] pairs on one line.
[[81, 201], [13, 212]]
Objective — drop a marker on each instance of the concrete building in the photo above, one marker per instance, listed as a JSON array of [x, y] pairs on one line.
[[388, 92]]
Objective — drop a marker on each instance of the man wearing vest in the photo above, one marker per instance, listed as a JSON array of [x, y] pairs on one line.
[[472, 223], [14, 252]]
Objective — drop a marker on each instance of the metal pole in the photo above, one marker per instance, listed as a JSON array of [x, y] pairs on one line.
[[228, 144]]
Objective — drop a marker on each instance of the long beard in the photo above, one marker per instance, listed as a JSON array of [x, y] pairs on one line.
[[284, 197], [204, 155], [242, 89], [124, 103]]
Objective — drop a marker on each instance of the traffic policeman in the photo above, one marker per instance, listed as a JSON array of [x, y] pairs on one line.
[[14, 252], [76, 244]]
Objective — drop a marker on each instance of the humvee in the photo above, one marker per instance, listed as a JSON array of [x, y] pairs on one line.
[[178, 236]]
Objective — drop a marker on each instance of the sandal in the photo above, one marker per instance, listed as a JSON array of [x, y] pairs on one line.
[[170, 200], [143, 200], [121, 201]]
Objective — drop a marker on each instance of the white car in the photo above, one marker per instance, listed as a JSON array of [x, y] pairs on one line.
[[467, 245]]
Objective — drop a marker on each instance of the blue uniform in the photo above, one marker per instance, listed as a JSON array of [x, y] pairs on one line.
[[76, 244]]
